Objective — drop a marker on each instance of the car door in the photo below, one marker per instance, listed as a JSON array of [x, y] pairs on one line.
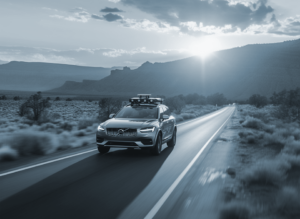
[[170, 122], [163, 123]]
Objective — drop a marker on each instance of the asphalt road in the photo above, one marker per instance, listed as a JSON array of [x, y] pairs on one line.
[[122, 183]]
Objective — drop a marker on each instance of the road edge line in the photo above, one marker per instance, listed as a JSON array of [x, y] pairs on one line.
[[44, 163], [166, 195]]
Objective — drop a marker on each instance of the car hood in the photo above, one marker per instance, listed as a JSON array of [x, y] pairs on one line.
[[129, 123]]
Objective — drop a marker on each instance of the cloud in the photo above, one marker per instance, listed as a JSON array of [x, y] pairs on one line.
[[218, 13], [147, 25], [112, 17], [109, 10], [77, 14], [119, 52], [114, 1]]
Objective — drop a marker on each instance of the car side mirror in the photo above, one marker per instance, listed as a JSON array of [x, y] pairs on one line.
[[112, 115], [165, 117]]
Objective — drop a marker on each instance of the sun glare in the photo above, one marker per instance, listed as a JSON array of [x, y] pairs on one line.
[[205, 47]]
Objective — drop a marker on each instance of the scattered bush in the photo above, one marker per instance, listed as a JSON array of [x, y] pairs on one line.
[[32, 142], [258, 100], [175, 104], [216, 99], [7, 153], [84, 122], [37, 104], [17, 98], [66, 126], [108, 106], [23, 110], [288, 202], [3, 97], [68, 99], [235, 210], [268, 173], [57, 99]]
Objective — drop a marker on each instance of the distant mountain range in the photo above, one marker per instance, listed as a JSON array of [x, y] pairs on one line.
[[237, 73], [37, 76], [2, 62]]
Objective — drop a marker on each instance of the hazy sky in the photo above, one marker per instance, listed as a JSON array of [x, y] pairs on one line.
[[129, 32]]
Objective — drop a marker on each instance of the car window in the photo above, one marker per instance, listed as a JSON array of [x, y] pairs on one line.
[[167, 112], [138, 113], [161, 111]]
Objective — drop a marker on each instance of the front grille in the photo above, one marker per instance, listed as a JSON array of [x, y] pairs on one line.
[[121, 143], [116, 132]]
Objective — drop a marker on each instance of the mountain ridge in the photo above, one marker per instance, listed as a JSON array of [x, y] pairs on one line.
[[237, 73]]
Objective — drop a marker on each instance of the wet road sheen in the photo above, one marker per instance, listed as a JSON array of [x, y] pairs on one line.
[[122, 183]]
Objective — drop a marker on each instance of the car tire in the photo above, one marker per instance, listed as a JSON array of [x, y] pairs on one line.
[[103, 150], [172, 142], [158, 145]]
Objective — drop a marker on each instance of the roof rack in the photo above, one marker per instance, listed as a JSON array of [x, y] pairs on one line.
[[145, 99]]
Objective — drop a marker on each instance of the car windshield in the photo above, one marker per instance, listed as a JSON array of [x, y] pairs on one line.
[[138, 113]]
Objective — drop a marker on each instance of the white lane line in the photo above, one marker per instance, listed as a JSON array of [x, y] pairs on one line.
[[74, 155], [165, 196], [205, 117], [44, 163]]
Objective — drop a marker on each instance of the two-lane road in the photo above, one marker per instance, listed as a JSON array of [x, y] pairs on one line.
[[122, 183]]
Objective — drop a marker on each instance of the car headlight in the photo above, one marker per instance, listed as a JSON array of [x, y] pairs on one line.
[[148, 129], [100, 128]]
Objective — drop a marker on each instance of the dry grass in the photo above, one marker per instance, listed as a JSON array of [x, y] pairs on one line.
[[235, 210]]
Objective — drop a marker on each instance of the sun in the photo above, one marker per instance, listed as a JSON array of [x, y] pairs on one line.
[[204, 47]]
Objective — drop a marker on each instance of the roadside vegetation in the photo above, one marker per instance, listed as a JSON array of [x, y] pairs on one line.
[[41, 125], [267, 159]]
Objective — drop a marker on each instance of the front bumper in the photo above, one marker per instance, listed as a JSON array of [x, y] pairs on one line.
[[141, 140]]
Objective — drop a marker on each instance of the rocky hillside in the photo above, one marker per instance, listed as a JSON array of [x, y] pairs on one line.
[[238, 73], [30, 76]]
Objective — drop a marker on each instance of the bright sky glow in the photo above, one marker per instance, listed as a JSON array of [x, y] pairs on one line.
[[130, 32]]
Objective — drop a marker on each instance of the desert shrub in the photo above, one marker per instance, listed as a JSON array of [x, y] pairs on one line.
[[108, 106], [66, 126], [85, 122], [47, 126], [3, 97], [23, 110], [292, 147], [234, 210], [275, 140], [7, 153], [17, 98], [80, 133], [57, 99], [175, 104], [195, 99], [268, 173], [32, 142], [37, 105], [216, 99], [288, 202], [253, 123], [289, 104], [258, 100], [68, 99], [250, 137]]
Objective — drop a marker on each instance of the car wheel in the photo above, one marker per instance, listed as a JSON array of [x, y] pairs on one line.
[[172, 142], [157, 148], [103, 150]]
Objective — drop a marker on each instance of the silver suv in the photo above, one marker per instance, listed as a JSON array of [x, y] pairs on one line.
[[145, 123]]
